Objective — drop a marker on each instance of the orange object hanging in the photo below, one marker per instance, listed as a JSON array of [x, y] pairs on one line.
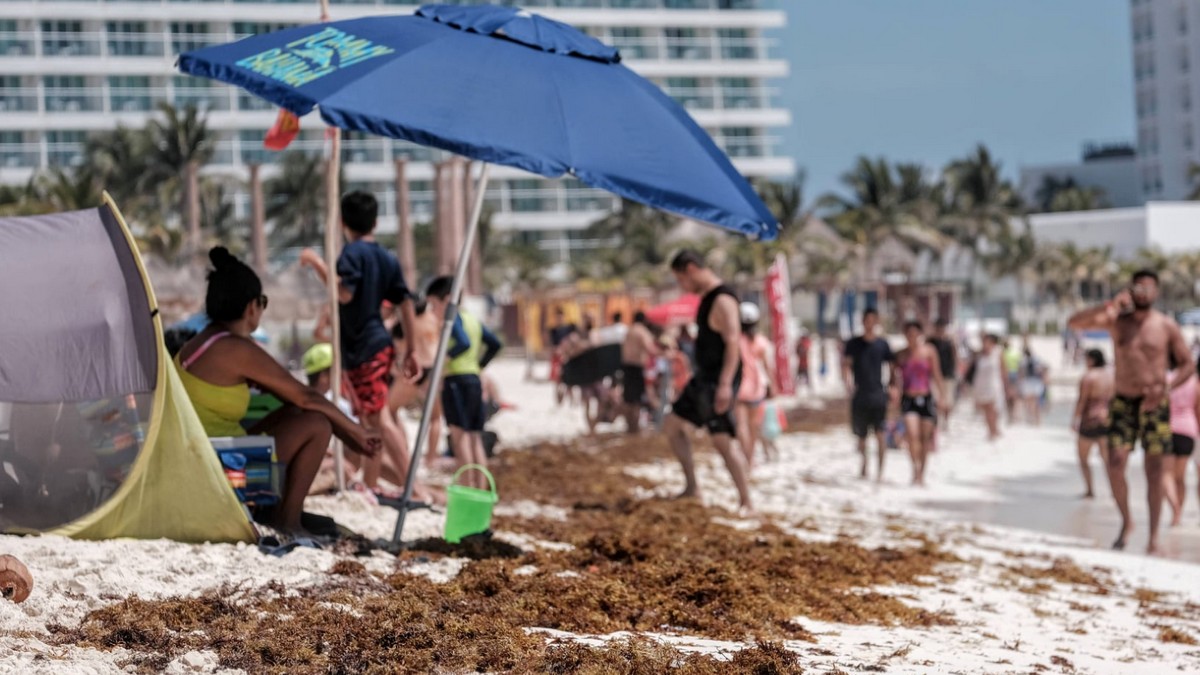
[[283, 132]]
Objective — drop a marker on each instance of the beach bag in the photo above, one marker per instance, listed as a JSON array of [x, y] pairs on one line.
[[252, 468], [774, 421]]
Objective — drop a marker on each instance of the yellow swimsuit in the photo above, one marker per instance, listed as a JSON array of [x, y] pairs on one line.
[[221, 409]]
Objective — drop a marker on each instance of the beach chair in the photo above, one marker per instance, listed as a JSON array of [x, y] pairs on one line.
[[252, 468]]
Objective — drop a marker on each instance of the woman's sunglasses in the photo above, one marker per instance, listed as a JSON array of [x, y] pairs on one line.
[[262, 301]]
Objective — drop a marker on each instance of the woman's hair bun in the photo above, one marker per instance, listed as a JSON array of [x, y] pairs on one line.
[[221, 257]]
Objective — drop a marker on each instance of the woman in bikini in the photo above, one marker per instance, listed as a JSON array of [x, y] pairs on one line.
[[918, 370], [1091, 414], [218, 365]]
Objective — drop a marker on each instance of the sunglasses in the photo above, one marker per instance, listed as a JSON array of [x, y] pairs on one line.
[[262, 301]]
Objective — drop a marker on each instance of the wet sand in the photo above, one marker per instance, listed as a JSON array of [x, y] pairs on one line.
[[1052, 502]]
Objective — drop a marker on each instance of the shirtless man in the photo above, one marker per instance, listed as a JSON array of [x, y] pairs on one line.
[[1091, 414], [1142, 339], [637, 348], [707, 400]]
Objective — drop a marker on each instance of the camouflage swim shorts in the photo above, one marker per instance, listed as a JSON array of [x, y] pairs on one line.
[[1128, 423]]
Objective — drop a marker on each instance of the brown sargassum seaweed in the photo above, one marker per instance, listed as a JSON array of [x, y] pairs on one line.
[[640, 566]]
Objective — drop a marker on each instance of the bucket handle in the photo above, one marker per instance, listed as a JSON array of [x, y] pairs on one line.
[[477, 467]]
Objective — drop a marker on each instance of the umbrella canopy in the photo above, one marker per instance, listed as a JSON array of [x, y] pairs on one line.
[[503, 86], [681, 310]]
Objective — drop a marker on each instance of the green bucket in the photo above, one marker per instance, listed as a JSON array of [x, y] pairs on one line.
[[468, 509]]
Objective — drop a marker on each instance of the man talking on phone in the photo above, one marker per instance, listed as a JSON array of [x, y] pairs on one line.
[[1142, 338]]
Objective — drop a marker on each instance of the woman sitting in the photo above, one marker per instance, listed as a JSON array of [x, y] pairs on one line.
[[218, 364]]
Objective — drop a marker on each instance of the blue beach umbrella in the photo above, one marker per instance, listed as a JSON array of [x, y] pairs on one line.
[[502, 86]]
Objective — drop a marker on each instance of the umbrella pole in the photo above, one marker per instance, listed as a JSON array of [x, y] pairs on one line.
[[435, 379], [332, 230]]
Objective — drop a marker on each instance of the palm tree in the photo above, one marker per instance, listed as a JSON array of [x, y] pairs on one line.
[[635, 245], [67, 190], [295, 200], [181, 143], [981, 205], [884, 203]]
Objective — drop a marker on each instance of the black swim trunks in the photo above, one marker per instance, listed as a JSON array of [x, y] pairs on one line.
[[462, 402], [1182, 446], [633, 384], [921, 406], [1093, 431], [868, 414], [695, 405], [1128, 423]]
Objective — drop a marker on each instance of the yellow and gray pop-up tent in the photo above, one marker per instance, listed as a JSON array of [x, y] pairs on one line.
[[97, 437]]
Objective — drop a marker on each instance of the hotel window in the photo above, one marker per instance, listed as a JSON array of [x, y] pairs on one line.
[[1185, 61], [739, 92], [203, 93], [741, 142], [67, 38], [242, 29], [632, 43], [683, 44], [69, 93], [15, 96], [1185, 96], [188, 36], [13, 40], [65, 148], [130, 93], [686, 91], [1188, 141], [736, 43], [132, 38], [1183, 19], [15, 153]]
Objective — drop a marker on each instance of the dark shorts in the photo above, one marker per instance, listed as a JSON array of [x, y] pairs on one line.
[[371, 381], [868, 416], [695, 406], [633, 384], [1128, 423], [1182, 446], [462, 402], [1093, 431], [921, 406]]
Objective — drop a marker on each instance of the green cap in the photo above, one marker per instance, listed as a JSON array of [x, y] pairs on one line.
[[319, 357]]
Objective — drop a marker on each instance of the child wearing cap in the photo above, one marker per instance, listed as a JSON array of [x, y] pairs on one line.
[[757, 375]]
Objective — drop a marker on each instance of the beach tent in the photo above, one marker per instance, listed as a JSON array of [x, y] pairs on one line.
[[97, 437]]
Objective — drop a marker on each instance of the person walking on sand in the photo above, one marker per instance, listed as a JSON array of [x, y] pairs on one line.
[[1140, 409], [863, 365], [947, 350], [1091, 414], [803, 349], [1185, 411], [707, 400], [920, 374], [758, 372], [637, 348], [1032, 384], [989, 384]]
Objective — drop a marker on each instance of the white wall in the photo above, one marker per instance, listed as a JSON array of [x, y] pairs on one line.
[[1174, 226], [1123, 229]]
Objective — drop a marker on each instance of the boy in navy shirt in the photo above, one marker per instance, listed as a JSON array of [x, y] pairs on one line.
[[367, 276]]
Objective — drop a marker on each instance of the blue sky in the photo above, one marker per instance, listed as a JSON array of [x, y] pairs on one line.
[[925, 80]]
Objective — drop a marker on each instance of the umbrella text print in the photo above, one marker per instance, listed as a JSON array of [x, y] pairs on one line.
[[310, 58]]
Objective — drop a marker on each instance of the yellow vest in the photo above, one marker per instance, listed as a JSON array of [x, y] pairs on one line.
[[467, 363]]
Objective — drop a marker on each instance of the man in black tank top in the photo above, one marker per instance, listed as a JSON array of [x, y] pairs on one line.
[[707, 400]]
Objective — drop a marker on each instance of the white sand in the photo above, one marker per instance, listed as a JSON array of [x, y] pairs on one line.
[[812, 488]]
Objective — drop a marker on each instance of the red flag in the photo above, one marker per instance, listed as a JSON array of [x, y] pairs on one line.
[[284, 131], [779, 294]]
